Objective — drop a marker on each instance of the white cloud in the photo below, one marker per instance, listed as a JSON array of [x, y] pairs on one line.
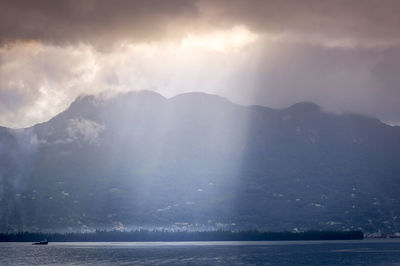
[[84, 129], [38, 80]]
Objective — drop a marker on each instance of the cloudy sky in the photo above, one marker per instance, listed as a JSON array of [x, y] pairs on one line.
[[341, 54]]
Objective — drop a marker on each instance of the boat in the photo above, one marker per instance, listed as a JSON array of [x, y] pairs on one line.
[[44, 242]]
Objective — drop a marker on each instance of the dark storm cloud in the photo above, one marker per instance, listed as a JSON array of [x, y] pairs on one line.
[[103, 22], [375, 21], [91, 21]]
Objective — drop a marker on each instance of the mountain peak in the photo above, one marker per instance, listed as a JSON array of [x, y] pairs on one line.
[[198, 96], [305, 107]]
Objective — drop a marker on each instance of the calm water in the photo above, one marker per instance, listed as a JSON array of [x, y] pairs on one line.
[[366, 252]]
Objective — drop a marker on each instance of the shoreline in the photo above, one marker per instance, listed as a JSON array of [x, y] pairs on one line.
[[180, 236]]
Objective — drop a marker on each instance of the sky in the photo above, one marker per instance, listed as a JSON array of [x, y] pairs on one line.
[[341, 54]]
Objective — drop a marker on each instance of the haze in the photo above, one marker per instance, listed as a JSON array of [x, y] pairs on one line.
[[342, 55]]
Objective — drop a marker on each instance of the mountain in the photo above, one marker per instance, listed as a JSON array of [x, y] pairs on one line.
[[198, 161]]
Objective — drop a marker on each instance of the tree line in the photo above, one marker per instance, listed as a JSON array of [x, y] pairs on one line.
[[165, 235]]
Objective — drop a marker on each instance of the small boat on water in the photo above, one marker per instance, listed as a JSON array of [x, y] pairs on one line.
[[45, 242]]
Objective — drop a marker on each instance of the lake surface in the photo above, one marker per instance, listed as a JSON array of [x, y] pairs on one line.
[[364, 252]]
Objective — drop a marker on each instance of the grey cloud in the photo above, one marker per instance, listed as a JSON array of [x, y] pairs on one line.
[[349, 22], [340, 54], [340, 80], [102, 22], [99, 22], [276, 75]]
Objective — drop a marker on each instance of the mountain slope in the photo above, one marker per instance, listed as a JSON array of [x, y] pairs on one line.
[[199, 161]]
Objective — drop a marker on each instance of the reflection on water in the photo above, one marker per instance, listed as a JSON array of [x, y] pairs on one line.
[[366, 252]]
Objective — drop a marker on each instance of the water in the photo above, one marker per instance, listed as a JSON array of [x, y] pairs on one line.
[[365, 252]]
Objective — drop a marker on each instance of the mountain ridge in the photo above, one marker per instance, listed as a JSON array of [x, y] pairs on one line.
[[199, 161], [98, 99]]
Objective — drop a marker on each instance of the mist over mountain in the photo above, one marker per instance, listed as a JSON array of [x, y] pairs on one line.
[[198, 161]]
